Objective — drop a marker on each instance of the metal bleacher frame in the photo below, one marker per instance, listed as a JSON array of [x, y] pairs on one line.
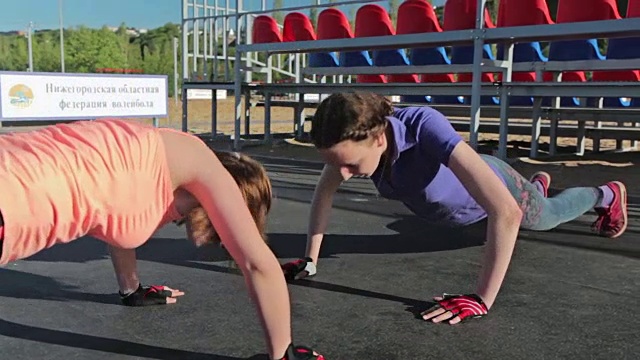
[[628, 27]]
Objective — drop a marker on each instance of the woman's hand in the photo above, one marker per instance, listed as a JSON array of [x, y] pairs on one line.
[[299, 269], [455, 308], [503, 217], [151, 295]]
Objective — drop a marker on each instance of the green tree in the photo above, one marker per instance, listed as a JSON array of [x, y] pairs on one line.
[[278, 15], [393, 11], [313, 16], [352, 17], [46, 51], [91, 49], [13, 53], [146, 42]]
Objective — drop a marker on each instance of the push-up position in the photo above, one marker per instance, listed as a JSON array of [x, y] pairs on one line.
[[119, 182], [414, 155]]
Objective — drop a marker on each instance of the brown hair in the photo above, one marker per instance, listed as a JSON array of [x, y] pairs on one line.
[[255, 187], [349, 116]]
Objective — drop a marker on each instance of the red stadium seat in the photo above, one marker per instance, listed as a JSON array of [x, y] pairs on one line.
[[622, 48], [265, 30], [523, 12], [570, 11], [417, 16], [633, 8], [297, 27], [461, 15], [333, 24], [374, 20]]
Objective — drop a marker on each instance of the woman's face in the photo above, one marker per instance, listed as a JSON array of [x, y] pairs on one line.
[[356, 158]]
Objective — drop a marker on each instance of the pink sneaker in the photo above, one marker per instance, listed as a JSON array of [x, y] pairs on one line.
[[544, 179], [612, 220]]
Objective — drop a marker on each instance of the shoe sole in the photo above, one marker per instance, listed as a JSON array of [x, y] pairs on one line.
[[623, 204], [544, 175]]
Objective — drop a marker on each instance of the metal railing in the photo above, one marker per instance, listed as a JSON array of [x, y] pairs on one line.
[[477, 37]]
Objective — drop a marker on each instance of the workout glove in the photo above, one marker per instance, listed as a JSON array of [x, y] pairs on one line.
[[145, 296], [462, 306], [299, 269], [300, 353]]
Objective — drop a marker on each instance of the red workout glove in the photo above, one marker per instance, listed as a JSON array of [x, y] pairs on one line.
[[300, 353], [299, 269], [463, 306], [145, 296]]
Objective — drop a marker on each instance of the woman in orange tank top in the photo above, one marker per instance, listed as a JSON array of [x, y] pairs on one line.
[[120, 181]]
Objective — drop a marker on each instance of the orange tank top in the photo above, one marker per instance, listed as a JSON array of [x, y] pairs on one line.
[[105, 178]]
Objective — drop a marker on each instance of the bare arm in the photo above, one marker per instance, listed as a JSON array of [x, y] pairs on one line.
[[217, 192], [504, 217], [124, 264], [330, 180]]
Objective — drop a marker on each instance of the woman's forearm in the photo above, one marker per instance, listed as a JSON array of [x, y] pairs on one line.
[[321, 204], [502, 232], [270, 294], [318, 220], [124, 264]]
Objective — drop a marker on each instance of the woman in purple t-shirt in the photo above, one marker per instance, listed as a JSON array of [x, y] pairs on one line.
[[414, 155]]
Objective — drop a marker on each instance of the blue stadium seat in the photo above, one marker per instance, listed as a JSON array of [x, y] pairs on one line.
[[620, 49]]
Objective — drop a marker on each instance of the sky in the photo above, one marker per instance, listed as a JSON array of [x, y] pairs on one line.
[[16, 14]]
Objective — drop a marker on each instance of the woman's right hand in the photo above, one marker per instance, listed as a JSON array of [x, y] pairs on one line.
[[301, 353], [299, 269]]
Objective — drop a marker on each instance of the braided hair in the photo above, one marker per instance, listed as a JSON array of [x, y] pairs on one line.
[[349, 116]]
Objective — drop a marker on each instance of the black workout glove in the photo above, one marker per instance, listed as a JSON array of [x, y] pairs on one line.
[[456, 305], [146, 295], [300, 353], [299, 269]]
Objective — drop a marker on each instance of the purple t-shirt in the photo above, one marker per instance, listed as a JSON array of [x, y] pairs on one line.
[[420, 178]]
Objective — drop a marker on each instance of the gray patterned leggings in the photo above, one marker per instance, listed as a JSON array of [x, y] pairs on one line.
[[542, 213]]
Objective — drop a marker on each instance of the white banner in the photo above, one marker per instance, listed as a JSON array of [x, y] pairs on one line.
[[64, 96], [203, 94]]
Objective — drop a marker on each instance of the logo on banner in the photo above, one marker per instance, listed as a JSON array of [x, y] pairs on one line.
[[20, 96]]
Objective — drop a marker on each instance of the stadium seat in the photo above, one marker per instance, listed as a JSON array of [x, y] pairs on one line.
[[461, 15], [622, 48], [373, 20], [570, 11], [417, 16], [265, 30], [523, 13], [333, 24], [298, 27]]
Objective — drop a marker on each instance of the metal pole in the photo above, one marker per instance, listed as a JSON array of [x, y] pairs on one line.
[[30, 46], [227, 27], [175, 69], [478, 44], [185, 40], [504, 102], [61, 36], [185, 63], [237, 89]]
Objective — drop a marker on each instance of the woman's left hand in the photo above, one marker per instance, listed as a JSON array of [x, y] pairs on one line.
[[455, 308], [151, 295]]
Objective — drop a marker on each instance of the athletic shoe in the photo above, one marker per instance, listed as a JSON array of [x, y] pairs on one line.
[[544, 179], [612, 220]]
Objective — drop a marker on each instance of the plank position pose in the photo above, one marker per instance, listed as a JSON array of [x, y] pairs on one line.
[[415, 156], [119, 182]]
